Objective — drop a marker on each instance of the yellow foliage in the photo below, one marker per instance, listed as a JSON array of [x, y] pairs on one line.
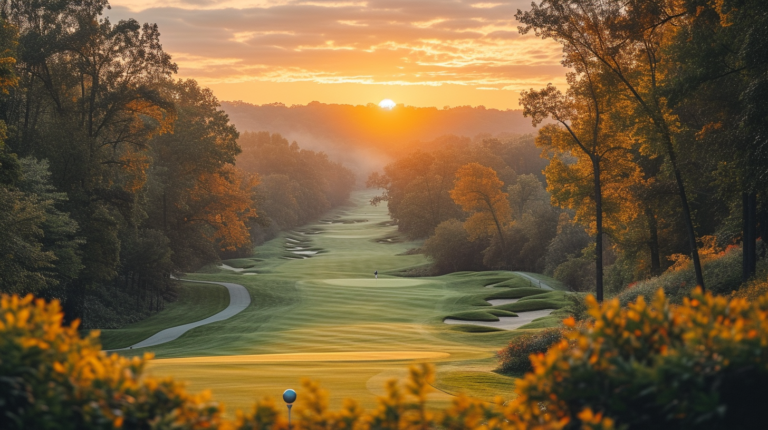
[[65, 381], [754, 289], [76, 385]]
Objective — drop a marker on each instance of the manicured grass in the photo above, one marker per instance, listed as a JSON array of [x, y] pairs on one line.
[[534, 304], [498, 281], [516, 282], [552, 282], [195, 302], [515, 293], [490, 315], [477, 384], [469, 328], [544, 322], [331, 303]]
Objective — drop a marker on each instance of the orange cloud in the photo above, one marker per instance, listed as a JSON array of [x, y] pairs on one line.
[[443, 45]]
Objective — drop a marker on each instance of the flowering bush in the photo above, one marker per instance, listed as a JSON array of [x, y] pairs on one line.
[[50, 378], [702, 364], [515, 357]]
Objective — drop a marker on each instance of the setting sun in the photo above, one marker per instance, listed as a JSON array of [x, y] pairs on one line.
[[210, 189], [387, 104]]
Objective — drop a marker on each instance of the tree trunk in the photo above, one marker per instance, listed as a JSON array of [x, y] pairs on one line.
[[748, 236], [653, 241], [762, 231], [599, 224], [686, 211]]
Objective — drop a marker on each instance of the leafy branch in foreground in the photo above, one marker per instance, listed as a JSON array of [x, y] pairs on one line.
[[701, 364]]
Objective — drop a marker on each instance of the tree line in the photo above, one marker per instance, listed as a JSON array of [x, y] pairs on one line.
[[657, 150], [388, 132], [113, 175], [297, 185]]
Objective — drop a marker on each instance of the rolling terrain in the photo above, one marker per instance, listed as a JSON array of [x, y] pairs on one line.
[[317, 312]]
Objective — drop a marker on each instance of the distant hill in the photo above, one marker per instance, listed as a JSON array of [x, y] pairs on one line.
[[361, 135]]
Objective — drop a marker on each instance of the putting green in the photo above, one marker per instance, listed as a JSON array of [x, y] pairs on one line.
[[325, 317], [376, 283]]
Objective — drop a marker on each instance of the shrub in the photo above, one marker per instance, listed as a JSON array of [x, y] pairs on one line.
[[451, 250], [515, 357], [755, 288], [578, 273], [50, 378], [702, 364], [577, 306], [722, 274]]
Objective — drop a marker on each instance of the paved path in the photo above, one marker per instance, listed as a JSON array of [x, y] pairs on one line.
[[239, 299], [535, 281]]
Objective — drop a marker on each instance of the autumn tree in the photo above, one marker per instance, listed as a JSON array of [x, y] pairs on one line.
[[191, 177], [627, 39], [417, 186], [585, 129], [478, 190]]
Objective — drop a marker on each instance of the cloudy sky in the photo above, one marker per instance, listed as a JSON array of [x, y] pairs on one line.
[[416, 52]]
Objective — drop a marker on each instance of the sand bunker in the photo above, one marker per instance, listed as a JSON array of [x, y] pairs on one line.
[[309, 356], [497, 302], [350, 236], [375, 283], [507, 323], [234, 269], [305, 252]]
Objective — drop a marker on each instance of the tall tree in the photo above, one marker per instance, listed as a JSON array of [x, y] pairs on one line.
[[718, 87], [586, 128], [627, 38]]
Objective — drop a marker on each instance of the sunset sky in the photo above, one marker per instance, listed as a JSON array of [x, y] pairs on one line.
[[415, 52]]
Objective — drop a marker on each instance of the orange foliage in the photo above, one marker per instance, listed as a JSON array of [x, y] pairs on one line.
[[225, 201], [478, 190]]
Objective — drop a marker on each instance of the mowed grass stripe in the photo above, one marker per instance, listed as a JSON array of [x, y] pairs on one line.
[[330, 303]]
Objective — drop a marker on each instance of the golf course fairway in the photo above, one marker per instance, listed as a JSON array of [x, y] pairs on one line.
[[317, 312]]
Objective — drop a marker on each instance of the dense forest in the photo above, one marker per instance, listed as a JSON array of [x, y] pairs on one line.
[[114, 176], [657, 157], [297, 185]]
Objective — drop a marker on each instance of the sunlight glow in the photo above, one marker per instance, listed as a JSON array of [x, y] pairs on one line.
[[387, 104]]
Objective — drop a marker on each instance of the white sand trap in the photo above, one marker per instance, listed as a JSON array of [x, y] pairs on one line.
[[375, 283], [251, 274], [507, 323], [497, 302], [350, 236], [309, 356], [234, 269], [305, 252], [291, 240]]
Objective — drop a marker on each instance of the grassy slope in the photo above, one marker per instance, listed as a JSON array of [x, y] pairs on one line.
[[331, 303], [196, 302]]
